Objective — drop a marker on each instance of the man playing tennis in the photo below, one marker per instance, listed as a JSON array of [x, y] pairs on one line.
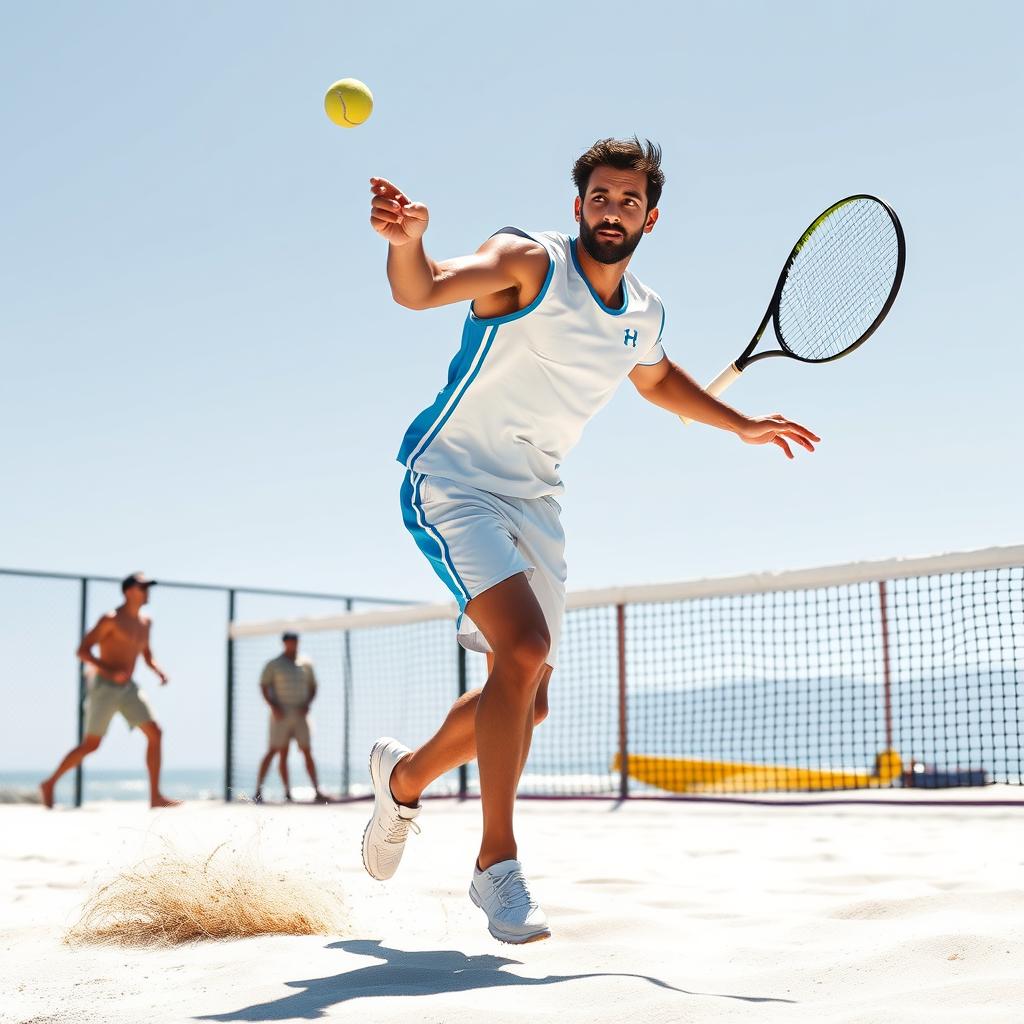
[[554, 326], [122, 636]]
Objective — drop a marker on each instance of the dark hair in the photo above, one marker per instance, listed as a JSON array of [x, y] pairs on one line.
[[626, 155]]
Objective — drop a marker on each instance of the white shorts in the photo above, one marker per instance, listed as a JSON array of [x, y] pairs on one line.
[[474, 539]]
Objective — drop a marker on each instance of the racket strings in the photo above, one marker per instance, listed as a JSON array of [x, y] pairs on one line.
[[839, 287], [841, 278], [839, 281]]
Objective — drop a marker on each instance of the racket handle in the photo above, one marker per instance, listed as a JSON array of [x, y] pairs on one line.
[[719, 384]]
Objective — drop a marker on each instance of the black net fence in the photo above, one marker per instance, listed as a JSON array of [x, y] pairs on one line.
[[43, 618], [869, 676]]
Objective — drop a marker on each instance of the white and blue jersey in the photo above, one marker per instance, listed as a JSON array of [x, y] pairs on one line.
[[522, 387], [483, 459]]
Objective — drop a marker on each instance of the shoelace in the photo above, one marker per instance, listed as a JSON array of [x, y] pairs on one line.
[[512, 891], [398, 830]]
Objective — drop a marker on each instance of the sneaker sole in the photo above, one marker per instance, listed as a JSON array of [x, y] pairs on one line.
[[375, 749], [507, 937], [377, 782]]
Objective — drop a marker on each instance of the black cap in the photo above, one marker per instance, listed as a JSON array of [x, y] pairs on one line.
[[289, 635], [136, 579]]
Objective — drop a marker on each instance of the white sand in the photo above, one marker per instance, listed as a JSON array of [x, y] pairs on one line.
[[660, 912]]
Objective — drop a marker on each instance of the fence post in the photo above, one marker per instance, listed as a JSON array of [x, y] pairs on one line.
[[620, 629], [229, 715], [82, 612], [886, 664], [463, 769], [346, 736]]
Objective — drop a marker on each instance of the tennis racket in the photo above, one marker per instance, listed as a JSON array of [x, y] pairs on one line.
[[837, 286]]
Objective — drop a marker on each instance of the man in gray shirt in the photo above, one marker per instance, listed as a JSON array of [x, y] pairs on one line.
[[289, 686]]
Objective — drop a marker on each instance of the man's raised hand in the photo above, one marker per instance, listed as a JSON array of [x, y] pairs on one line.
[[393, 216]]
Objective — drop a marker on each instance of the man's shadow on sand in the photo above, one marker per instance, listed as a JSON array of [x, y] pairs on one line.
[[418, 974]]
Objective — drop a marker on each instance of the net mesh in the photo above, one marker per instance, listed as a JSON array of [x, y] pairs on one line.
[[853, 684], [840, 280], [400, 679]]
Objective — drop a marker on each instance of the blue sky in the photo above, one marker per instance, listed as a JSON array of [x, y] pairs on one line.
[[205, 375]]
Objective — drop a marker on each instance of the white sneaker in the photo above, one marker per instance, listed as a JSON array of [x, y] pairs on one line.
[[385, 834], [512, 913]]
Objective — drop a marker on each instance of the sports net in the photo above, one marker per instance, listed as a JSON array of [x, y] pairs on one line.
[[865, 676]]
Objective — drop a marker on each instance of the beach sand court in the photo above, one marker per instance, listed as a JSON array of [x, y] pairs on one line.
[[660, 912]]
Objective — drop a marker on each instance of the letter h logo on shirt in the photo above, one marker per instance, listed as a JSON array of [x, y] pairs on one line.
[[630, 336]]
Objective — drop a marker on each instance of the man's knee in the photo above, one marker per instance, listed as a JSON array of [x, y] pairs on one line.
[[153, 731], [528, 653], [91, 743]]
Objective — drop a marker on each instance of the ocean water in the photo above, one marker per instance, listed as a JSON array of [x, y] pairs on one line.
[[117, 784], [967, 723]]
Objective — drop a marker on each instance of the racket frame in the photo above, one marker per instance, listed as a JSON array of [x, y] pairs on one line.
[[747, 356], [772, 312]]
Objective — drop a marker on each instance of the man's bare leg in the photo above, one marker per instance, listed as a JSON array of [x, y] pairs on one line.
[[71, 760], [540, 712], [307, 754], [282, 767], [454, 744], [262, 774], [510, 617], [154, 743]]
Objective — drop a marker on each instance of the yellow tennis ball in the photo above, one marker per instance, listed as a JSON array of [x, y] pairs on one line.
[[348, 102]]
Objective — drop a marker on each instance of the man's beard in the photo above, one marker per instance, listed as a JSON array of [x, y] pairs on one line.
[[604, 250]]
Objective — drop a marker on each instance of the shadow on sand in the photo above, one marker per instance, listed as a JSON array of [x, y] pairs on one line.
[[420, 973]]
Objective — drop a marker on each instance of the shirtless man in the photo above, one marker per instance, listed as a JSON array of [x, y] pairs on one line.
[[122, 635]]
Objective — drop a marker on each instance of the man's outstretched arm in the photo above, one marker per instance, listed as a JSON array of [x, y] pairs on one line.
[[503, 263], [147, 657], [670, 387]]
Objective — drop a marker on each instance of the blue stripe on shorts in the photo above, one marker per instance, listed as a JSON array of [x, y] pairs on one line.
[[429, 540]]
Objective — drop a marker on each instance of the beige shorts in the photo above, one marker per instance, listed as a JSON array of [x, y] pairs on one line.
[[293, 725], [106, 698]]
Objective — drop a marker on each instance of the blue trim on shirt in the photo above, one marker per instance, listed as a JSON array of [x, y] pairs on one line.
[[489, 321], [597, 298], [490, 332], [476, 331], [473, 335]]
